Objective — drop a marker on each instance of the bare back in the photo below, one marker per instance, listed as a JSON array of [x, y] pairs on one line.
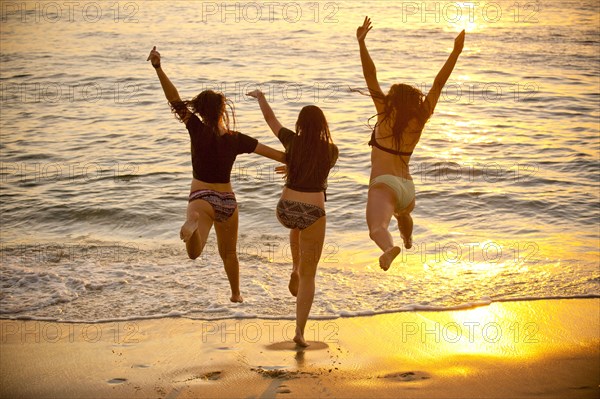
[[384, 163]]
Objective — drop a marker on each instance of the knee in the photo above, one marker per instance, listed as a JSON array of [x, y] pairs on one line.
[[307, 269], [375, 231], [228, 256], [307, 273]]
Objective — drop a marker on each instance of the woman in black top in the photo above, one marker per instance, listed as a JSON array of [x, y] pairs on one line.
[[310, 154], [214, 149]]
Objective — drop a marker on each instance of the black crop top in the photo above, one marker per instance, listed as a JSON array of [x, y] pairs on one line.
[[310, 184], [213, 155]]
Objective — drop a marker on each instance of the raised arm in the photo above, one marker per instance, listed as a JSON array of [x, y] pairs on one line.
[[267, 112], [442, 77], [368, 66], [168, 87]]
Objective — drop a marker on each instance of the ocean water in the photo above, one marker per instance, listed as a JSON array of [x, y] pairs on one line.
[[95, 171]]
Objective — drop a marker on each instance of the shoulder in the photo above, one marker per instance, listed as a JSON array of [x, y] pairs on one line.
[[194, 123], [285, 132], [334, 153], [245, 143], [285, 135], [427, 108], [237, 135]]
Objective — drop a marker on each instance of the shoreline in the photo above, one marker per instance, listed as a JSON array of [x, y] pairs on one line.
[[542, 348], [342, 315]]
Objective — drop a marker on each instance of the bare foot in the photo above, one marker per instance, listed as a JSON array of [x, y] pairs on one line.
[[407, 242], [188, 228], [299, 340], [236, 298], [385, 260], [293, 285]]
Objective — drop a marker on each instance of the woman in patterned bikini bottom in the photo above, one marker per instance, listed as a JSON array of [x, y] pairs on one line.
[[310, 154], [214, 149]]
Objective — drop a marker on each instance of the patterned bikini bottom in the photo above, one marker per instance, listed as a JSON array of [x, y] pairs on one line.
[[223, 203], [298, 215]]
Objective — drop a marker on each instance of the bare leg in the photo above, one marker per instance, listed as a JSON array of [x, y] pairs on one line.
[[311, 246], [380, 208], [227, 233], [294, 244], [405, 225], [194, 231], [190, 226]]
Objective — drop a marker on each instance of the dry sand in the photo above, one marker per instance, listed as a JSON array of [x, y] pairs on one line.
[[535, 349]]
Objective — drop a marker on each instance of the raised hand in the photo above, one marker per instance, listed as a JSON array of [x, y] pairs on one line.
[[266, 110], [459, 42], [254, 93], [362, 31], [154, 57]]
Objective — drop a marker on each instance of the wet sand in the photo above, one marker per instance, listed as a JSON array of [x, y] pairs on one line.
[[541, 349]]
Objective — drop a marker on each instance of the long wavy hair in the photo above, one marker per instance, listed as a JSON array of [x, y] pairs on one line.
[[211, 107], [401, 104], [309, 157]]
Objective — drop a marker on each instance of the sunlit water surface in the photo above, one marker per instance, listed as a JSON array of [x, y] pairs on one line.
[[96, 171]]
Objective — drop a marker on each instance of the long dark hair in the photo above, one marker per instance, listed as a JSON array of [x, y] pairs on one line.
[[211, 106], [406, 102], [309, 157]]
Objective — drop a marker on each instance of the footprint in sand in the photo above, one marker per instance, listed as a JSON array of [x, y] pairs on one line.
[[198, 377], [407, 376], [278, 372], [227, 348], [291, 346], [275, 388], [117, 380], [212, 375]]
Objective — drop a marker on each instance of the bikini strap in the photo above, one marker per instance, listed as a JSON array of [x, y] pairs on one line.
[[373, 143]]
